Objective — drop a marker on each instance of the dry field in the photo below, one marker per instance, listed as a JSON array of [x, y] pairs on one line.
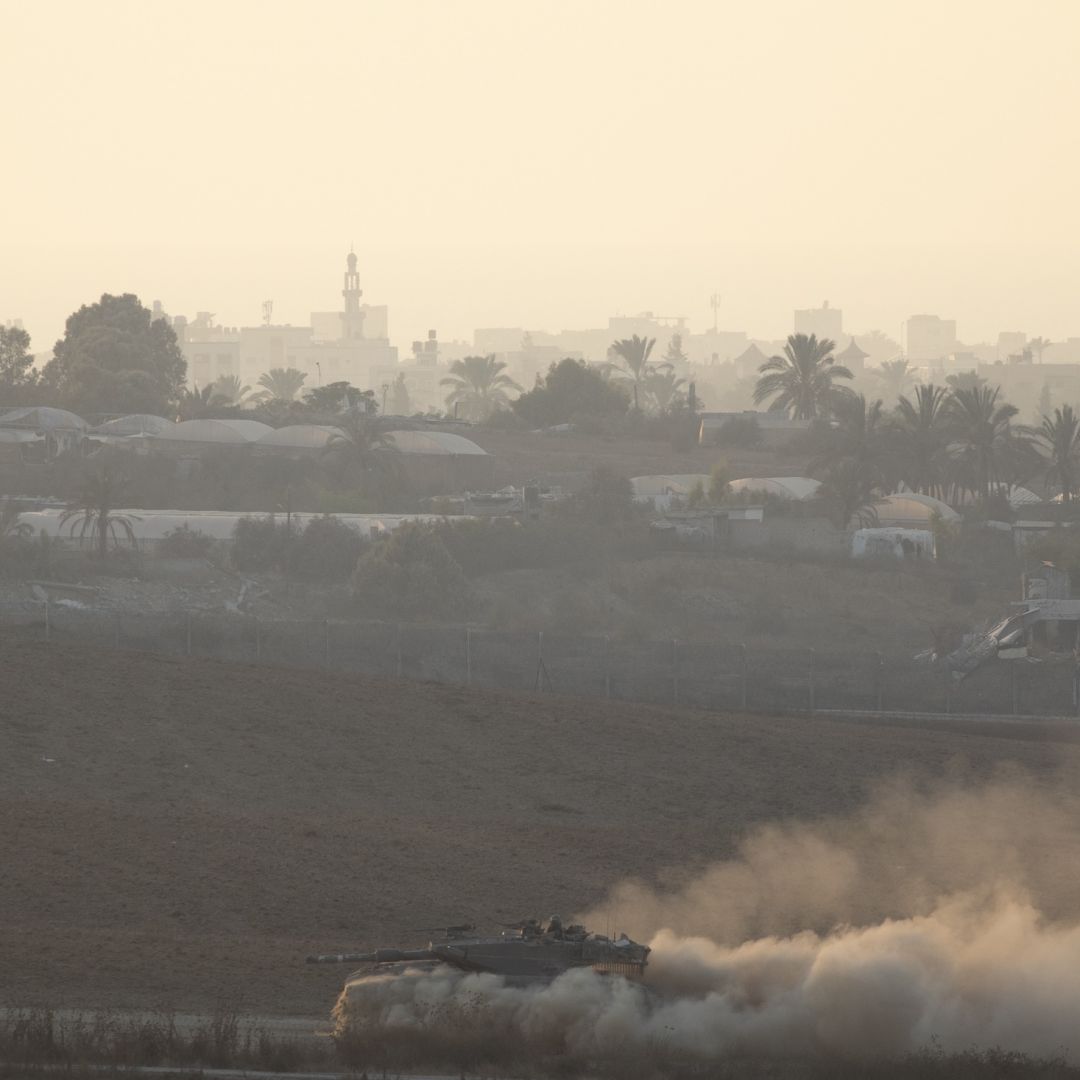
[[184, 832]]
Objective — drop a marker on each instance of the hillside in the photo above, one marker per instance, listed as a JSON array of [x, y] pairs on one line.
[[183, 832]]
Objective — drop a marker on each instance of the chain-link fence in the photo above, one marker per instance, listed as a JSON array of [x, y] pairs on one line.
[[694, 674]]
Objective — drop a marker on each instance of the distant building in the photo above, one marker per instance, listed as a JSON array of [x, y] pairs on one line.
[[824, 322], [853, 358], [929, 337], [1011, 343], [350, 345]]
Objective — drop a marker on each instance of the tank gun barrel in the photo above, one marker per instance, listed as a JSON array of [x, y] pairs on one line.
[[379, 956]]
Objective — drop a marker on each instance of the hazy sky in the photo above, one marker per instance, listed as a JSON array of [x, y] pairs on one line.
[[547, 163]]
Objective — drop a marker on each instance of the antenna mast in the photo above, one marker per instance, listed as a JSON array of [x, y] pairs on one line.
[[714, 303], [268, 311]]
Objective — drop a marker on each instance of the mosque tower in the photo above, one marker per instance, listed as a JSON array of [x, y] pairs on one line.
[[353, 319]]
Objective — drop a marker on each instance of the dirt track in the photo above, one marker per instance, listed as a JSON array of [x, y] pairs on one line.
[[183, 832]]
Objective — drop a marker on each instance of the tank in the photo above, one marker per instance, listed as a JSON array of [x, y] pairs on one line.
[[523, 954]]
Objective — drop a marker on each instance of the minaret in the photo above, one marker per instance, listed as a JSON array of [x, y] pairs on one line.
[[353, 319]]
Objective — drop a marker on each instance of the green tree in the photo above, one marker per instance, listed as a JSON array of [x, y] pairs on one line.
[[362, 454], [675, 357], [478, 387], [922, 438], [855, 461], [92, 516], [571, 389], [664, 389], [341, 397], [194, 404], [282, 384], [965, 380], [802, 382], [16, 364], [633, 354], [1059, 443], [115, 357]]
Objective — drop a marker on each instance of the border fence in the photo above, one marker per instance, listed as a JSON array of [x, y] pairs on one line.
[[718, 675]]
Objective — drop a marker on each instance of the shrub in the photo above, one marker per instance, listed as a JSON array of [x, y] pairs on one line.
[[327, 550], [741, 432], [571, 388], [184, 542], [411, 573], [262, 543]]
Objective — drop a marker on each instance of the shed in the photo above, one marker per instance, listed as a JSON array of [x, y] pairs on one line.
[[193, 438], [662, 491]]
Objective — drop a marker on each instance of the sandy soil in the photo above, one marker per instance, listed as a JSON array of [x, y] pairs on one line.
[[184, 832]]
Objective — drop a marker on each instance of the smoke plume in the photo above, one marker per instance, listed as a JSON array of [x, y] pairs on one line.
[[947, 917]]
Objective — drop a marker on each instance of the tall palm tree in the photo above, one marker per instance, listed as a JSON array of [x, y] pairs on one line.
[[478, 386], [633, 354], [1059, 439], [229, 390], [361, 449], [895, 376], [663, 387], [922, 437], [282, 384], [195, 403], [855, 460], [802, 382], [93, 514], [984, 445]]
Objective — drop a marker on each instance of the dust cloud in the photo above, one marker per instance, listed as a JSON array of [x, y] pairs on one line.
[[946, 917]]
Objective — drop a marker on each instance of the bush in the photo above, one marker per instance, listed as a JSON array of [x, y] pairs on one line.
[[327, 550], [741, 432], [411, 573], [262, 543], [184, 542]]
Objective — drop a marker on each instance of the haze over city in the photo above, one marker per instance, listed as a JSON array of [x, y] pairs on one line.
[[547, 165]]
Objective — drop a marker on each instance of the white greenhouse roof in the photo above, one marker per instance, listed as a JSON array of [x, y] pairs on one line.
[[799, 488], [151, 525], [303, 436], [42, 418], [216, 431], [433, 442], [135, 424]]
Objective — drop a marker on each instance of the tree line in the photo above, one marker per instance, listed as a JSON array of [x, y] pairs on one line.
[[954, 442]]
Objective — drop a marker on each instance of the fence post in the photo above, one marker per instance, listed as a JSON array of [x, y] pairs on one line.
[[745, 673], [811, 684], [948, 692], [399, 659], [468, 656], [326, 642], [48, 624], [607, 667], [258, 638], [187, 627], [1015, 688], [116, 631], [880, 682], [675, 670]]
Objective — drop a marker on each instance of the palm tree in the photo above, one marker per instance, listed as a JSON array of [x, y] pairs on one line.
[[984, 443], [229, 390], [896, 376], [634, 353], [663, 387], [195, 404], [855, 458], [478, 386], [1060, 446], [802, 382], [93, 515], [922, 435], [1038, 345], [282, 384], [362, 446]]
